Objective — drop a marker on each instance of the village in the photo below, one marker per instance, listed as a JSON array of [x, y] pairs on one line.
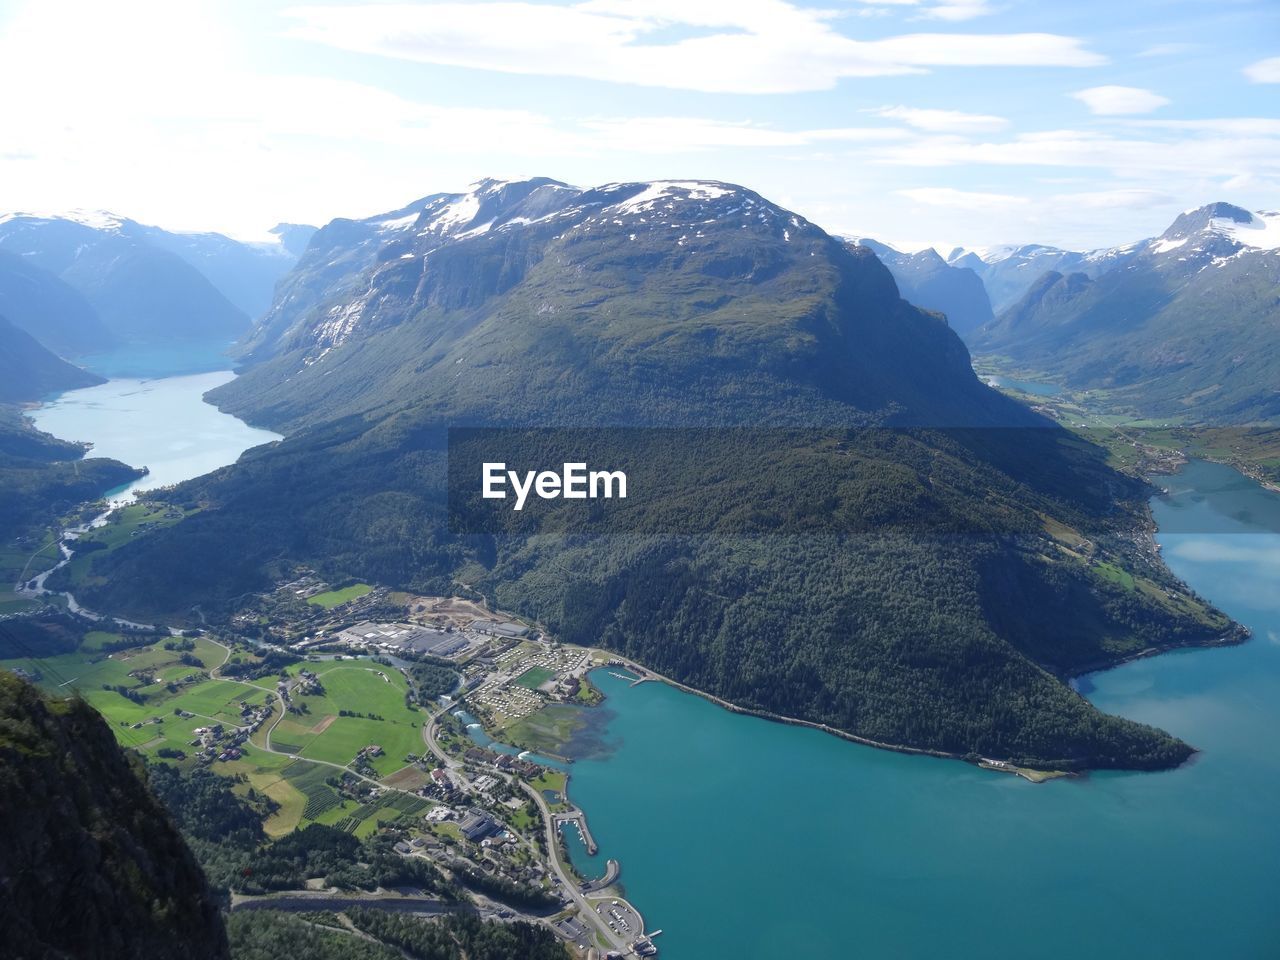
[[436, 722], [481, 804]]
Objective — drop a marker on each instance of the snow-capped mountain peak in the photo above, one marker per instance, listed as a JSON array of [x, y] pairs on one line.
[[1261, 230], [94, 219]]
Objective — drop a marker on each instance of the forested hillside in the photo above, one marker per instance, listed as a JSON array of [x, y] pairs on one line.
[[28, 371], [90, 864]]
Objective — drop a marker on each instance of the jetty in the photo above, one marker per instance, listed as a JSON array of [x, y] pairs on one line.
[[578, 818]]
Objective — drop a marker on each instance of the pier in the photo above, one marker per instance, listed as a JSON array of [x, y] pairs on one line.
[[580, 819], [612, 871]]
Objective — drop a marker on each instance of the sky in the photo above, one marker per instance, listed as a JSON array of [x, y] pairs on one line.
[[916, 122]]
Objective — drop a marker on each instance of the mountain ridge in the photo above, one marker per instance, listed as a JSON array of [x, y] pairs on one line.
[[146, 284]]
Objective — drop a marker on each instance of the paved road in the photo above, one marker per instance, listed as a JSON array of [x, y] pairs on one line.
[[266, 745], [326, 901], [569, 885]]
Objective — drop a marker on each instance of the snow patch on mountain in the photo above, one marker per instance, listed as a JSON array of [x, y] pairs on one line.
[[94, 219], [649, 198], [1262, 231], [1164, 246]]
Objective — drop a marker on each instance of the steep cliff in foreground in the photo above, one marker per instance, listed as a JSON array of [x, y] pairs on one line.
[[90, 864]]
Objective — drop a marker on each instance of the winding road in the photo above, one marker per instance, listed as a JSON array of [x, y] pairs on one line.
[[585, 911]]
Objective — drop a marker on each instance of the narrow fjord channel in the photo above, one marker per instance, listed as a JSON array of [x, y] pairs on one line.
[[150, 413]]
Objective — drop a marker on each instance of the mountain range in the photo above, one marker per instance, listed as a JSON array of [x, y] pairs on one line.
[[85, 282], [1185, 325], [927, 280], [686, 304]]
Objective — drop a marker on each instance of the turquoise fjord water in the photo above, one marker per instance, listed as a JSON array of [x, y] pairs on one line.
[[742, 838], [149, 361], [153, 418]]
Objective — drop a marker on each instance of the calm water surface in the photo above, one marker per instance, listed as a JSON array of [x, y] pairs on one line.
[[160, 423], [743, 838], [1032, 387]]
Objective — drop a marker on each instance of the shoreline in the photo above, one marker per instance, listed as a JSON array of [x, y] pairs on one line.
[[984, 763]]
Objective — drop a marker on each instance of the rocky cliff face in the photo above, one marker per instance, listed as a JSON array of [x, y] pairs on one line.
[[90, 864]]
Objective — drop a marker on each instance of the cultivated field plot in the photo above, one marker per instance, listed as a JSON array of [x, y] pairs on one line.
[[146, 717], [359, 687], [29, 560]]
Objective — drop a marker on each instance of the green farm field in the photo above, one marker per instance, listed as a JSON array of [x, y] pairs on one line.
[[151, 724], [296, 783], [359, 686]]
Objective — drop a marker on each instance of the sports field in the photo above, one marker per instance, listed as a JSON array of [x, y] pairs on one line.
[[331, 598]]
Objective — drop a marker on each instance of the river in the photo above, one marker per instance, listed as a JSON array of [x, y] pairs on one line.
[[151, 413], [742, 838]]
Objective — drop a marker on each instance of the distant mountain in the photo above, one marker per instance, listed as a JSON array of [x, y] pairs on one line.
[[1184, 325], [245, 273], [150, 285], [293, 237], [91, 866], [342, 252], [928, 281], [49, 309], [1008, 272], [29, 372], [680, 304]]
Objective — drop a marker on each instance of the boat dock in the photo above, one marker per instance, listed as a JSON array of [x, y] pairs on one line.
[[579, 818]]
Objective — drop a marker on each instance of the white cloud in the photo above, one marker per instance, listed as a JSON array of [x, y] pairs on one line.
[[962, 199], [958, 10], [1115, 100], [1130, 198], [1225, 126], [731, 46], [943, 121], [679, 134], [1204, 158], [1264, 71], [1166, 49]]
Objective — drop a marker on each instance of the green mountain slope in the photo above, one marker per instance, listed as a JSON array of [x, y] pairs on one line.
[[90, 864], [42, 477], [49, 309], [689, 304], [28, 371]]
